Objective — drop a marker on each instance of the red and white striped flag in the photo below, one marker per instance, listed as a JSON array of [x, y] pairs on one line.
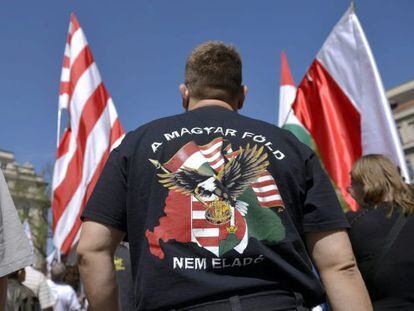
[[342, 103], [93, 131]]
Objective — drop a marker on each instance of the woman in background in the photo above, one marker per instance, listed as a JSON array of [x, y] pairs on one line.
[[382, 232]]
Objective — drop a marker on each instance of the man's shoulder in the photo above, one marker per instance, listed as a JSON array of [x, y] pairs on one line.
[[154, 125]]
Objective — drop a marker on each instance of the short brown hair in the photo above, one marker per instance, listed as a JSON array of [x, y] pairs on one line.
[[379, 178], [214, 71]]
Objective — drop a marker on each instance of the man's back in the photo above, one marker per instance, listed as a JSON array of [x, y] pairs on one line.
[[213, 204]]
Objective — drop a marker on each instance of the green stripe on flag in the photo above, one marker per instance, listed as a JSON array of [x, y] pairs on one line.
[[300, 133]]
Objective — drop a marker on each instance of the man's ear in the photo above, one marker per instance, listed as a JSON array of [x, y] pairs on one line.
[[242, 97], [185, 95]]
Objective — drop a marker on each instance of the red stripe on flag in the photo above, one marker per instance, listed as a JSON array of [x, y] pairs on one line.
[[272, 203], [80, 65], [67, 244], [198, 206], [65, 88], [90, 115], [181, 156], [267, 193], [212, 153], [74, 26], [74, 22], [66, 62], [212, 143], [286, 76], [64, 144], [216, 161], [263, 183], [202, 224], [334, 123], [116, 132]]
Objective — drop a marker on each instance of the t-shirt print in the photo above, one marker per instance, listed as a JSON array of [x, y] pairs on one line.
[[218, 198]]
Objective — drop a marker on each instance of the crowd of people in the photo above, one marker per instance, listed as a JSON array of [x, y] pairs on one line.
[[30, 289], [364, 259]]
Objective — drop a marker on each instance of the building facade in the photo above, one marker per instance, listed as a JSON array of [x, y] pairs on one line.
[[401, 99], [28, 191]]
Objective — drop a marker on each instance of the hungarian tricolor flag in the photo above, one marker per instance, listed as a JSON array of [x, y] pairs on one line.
[[342, 103], [287, 94]]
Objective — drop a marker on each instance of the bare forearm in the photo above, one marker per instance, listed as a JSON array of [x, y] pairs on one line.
[[98, 275], [346, 290]]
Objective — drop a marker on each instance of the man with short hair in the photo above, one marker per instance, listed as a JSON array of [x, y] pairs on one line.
[[221, 211], [65, 295]]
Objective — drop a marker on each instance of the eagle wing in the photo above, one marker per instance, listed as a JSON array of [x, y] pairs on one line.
[[184, 180], [243, 169]]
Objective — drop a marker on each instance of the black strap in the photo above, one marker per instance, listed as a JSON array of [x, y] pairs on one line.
[[391, 237]]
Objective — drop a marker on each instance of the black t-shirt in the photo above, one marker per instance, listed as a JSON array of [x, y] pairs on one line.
[[392, 287], [215, 204]]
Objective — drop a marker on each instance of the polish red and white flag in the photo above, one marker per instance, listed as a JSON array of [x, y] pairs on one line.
[[93, 130], [342, 103]]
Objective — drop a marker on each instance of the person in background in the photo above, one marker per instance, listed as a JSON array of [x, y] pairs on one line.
[[15, 251], [66, 299], [36, 281], [382, 232], [19, 297], [122, 264]]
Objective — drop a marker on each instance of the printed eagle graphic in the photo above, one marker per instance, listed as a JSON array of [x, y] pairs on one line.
[[236, 176]]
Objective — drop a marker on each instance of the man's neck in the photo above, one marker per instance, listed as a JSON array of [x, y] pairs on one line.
[[209, 102]]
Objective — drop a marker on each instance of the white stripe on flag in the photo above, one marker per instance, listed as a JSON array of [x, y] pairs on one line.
[[212, 148], [206, 232], [263, 178], [61, 164], [213, 157], [65, 75], [265, 188], [199, 215], [218, 164], [275, 197], [195, 160], [67, 50], [77, 44], [85, 87]]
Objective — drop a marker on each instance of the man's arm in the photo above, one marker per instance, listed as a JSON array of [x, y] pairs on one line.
[[332, 254], [96, 249]]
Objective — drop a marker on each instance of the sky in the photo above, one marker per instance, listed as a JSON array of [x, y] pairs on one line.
[[140, 48]]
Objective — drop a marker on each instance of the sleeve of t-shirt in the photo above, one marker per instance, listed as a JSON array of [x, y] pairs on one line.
[[15, 250], [322, 211], [107, 204]]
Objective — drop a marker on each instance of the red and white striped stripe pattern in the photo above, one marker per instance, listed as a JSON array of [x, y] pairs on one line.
[[264, 186], [93, 131], [208, 235], [266, 191], [212, 153]]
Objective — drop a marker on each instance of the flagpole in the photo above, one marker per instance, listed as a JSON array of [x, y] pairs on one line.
[[59, 117]]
